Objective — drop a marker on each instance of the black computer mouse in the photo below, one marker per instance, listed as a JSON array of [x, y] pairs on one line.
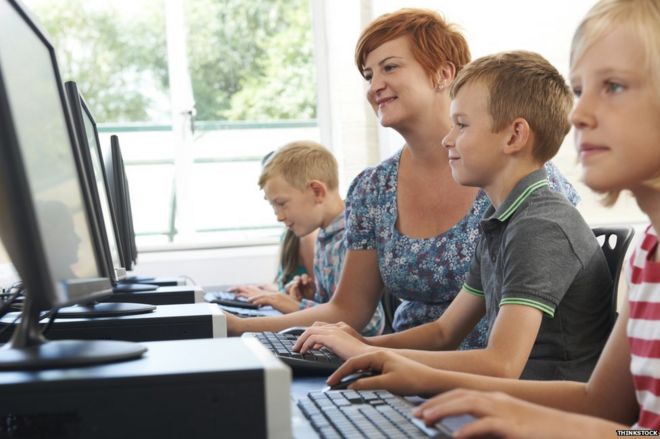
[[351, 378], [294, 330]]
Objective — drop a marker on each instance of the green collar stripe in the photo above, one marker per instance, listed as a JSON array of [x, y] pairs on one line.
[[527, 302], [473, 291], [522, 197]]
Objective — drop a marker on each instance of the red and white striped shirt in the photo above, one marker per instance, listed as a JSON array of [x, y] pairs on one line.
[[644, 329]]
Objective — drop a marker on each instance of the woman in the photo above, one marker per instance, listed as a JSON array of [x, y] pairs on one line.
[[411, 229]]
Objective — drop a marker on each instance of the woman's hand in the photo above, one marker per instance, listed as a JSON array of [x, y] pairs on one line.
[[234, 324]]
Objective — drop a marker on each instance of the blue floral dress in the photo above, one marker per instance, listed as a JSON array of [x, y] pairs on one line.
[[425, 273]]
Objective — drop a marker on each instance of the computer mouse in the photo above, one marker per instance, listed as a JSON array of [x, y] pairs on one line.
[[351, 378], [294, 330]]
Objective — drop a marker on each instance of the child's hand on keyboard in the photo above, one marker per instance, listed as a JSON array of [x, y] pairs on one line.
[[249, 291], [501, 415], [338, 337], [398, 374], [281, 302]]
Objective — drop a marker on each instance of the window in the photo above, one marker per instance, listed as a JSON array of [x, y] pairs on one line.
[[198, 91]]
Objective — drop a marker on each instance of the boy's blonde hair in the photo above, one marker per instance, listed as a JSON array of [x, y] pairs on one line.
[[299, 163], [433, 41], [642, 17], [523, 84]]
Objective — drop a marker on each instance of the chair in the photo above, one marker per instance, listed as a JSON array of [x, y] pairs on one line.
[[390, 304], [614, 242]]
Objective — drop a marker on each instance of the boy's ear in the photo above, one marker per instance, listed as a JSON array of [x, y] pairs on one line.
[[520, 136], [318, 189]]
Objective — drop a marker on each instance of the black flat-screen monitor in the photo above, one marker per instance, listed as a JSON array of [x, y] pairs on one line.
[[125, 197], [116, 172], [88, 155], [118, 182], [46, 222], [90, 164]]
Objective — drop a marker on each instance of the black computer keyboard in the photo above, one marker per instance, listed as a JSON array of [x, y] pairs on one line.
[[370, 414], [229, 299], [316, 360]]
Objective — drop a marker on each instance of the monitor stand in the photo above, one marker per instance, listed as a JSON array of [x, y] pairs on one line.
[[158, 281], [138, 279], [29, 350], [122, 287], [106, 309]]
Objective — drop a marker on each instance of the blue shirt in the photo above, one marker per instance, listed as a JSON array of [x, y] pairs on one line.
[[329, 255], [425, 273]]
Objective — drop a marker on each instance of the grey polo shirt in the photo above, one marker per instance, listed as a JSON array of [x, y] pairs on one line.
[[536, 250]]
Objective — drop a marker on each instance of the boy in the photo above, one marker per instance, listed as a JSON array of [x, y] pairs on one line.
[[301, 183], [538, 275]]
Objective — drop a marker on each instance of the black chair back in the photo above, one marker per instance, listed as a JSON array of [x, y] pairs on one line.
[[614, 241]]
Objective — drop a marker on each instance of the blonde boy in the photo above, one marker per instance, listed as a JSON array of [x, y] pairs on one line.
[[510, 115], [301, 181]]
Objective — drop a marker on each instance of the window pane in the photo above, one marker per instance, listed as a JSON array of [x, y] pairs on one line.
[[140, 143], [251, 59], [253, 80], [151, 189], [223, 192], [115, 51]]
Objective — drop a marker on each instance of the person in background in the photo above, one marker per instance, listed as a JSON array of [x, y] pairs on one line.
[[301, 182], [411, 230], [296, 265]]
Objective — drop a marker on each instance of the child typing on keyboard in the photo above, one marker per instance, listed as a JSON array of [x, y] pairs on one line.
[[301, 182], [295, 266]]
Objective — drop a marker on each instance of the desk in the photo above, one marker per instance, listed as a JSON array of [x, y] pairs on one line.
[[301, 386]]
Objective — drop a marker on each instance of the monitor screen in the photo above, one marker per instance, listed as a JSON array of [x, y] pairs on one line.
[[46, 221], [115, 171], [43, 142], [129, 210], [92, 164]]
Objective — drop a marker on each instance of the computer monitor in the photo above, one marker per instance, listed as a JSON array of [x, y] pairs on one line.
[[124, 197], [115, 171], [116, 175], [89, 159], [88, 155], [45, 219]]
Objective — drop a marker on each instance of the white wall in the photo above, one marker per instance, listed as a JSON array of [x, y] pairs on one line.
[[213, 267]]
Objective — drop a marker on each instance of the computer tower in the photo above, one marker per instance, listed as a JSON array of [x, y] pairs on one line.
[[178, 389], [161, 296], [167, 322]]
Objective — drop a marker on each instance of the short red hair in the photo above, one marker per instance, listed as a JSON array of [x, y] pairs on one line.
[[433, 41]]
